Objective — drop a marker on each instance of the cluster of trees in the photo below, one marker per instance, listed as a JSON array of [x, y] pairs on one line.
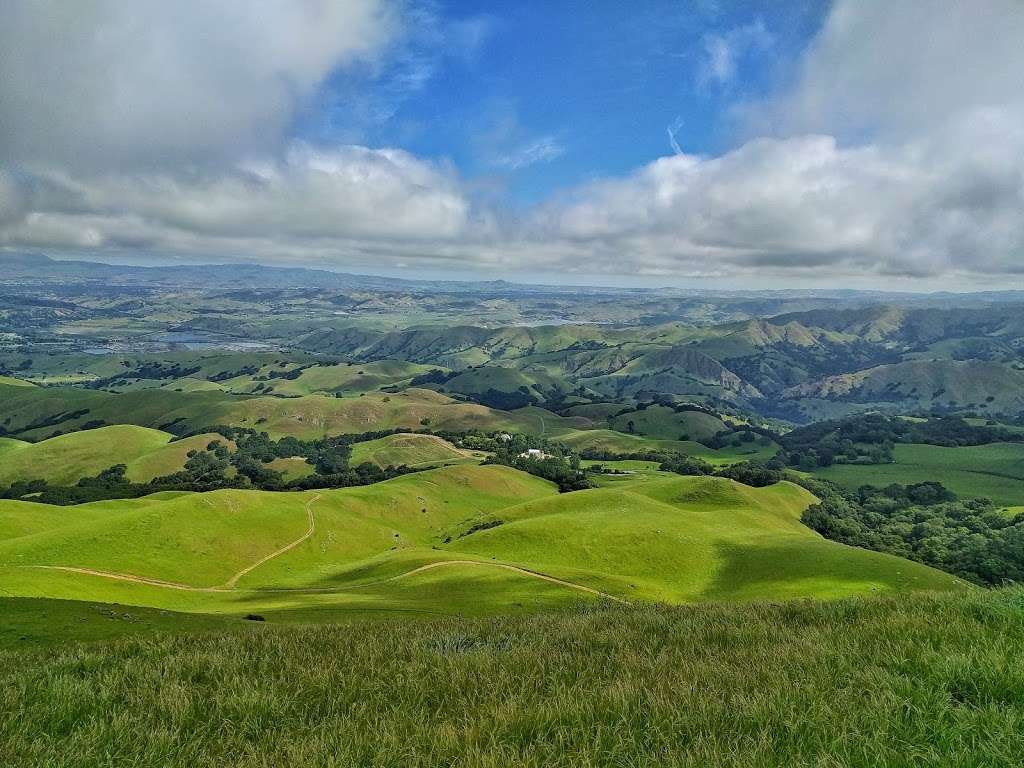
[[738, 436], [755, 473], [202, 472], [924, 522], [559, 465], [153, 370], [219, 467], [869, 438]]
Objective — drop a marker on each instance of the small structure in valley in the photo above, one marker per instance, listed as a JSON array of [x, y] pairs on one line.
[[533, 453]]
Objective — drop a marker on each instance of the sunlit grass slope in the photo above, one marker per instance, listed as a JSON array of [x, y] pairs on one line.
[[662, 422], [410, 449], [622, 443], [692, 538], [463, 539], [63, 460], [344, 378]]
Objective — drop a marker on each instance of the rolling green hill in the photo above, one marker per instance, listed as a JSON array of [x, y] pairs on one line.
[[622, 443], [974, 385], [462, 539], [662, 422], [34, 413], [63, 460], [344, 378], [411, 450], [503, 387]]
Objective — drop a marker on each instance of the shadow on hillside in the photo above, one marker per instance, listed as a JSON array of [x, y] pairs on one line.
[[801, 568]]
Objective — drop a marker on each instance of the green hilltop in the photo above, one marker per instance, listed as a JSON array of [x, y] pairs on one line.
[[458, 540], [63, 460]]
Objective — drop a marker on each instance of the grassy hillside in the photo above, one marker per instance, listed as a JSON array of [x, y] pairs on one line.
[[63, 460], [412, 450], [31, 623], [343, 378], [460, 540], [971, 384], [996, 470], [621, 442], [10, 381], [700, 538], [33, 413], [661, 422], [928, 680], [496, 384]]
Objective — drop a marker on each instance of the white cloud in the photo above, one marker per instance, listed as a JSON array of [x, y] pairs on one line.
[[805, 202], [887, 156], [12, 201], [112, 84], [899, 150], [723, 53], [898, 69], [309, 197]]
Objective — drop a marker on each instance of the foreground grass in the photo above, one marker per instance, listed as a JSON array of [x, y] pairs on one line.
[[28, 623], [923, 680]]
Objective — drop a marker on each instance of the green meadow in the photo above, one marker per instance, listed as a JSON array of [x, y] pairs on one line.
[[995, 470], [930, 680], [623, 443], [412, 450], [664, 423], [459, 540], [63, 460]]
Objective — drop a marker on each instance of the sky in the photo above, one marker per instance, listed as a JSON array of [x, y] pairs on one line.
[[712, 143]]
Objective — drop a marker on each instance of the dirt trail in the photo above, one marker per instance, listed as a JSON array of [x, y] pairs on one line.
[[129, 577], [230, 583], [229, 586], [328, 590], [504, 566]]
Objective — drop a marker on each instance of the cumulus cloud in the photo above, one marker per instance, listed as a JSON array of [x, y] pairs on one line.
[[917, 208], [109, 84], [164, 127], [11, 198], [310, 196], [897, 150], [898, 69]]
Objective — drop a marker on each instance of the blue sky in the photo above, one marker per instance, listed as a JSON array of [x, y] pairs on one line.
[[707, 143], [531, 98]]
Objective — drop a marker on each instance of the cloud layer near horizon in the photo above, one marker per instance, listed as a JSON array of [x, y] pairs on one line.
[[164, 133]]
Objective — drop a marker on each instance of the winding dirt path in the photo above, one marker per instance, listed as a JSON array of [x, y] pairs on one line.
[[230, 583], [504, 566], [129, 577], [330, 590]]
